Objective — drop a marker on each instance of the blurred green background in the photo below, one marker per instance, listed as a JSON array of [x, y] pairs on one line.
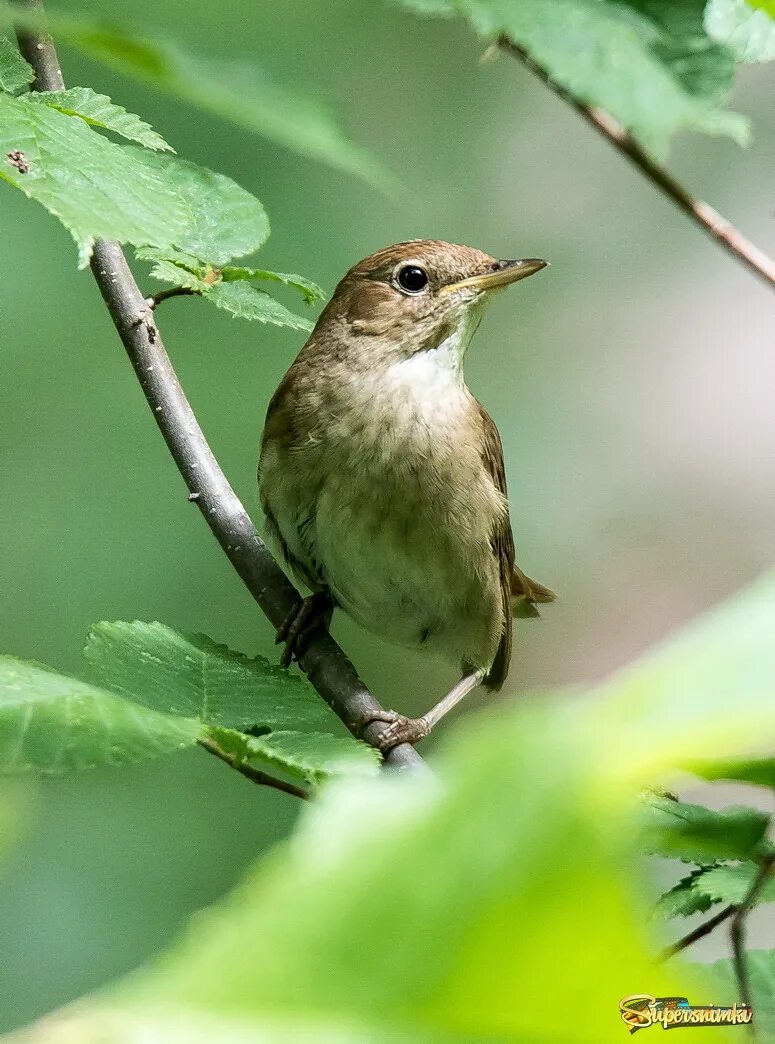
[[632, 384]]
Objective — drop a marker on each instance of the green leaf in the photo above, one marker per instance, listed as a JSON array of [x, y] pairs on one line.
[[761, 972], [731, 884], [288, 726], [650, 68], [696, 834], [310, 291], [51, 723], [231, 290], [99, 188], [745, 27], [683, 900], [245, 301], [237, 91], [15, 73], [99, 111]]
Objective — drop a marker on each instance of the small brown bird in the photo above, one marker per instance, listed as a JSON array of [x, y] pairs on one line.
[[382, 477]]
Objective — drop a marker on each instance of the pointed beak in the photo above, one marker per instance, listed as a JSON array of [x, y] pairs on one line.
[[503, 273]]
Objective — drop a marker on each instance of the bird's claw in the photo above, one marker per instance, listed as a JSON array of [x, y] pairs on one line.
[[305, 619], [398, 729]]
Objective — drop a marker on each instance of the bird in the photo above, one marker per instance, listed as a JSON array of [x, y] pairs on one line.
[[381, 476]]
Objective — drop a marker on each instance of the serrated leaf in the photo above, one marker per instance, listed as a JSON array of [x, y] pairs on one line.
[[683, 900], [651, 69], [744, 27], [246, 301], [731, 884], [237, 91], [99, 111], [254, 709], [16, 74], [50, 722], [695, 834], [123, 192], [189, 674], [310, 291]]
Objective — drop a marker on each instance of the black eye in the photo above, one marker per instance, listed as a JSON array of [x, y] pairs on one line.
[[413, 279]]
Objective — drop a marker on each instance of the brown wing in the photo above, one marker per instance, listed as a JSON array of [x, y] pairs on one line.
[[502, 543]]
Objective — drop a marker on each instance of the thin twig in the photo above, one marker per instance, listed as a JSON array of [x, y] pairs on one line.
[[737, 928], [324, 663], [155, 300], [698, 933], [703, 214], [251, 773]]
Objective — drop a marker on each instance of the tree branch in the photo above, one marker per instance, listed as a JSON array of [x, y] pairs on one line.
[[703, 214], [737, 928], [698, 933], [324, 663], [250, 772]]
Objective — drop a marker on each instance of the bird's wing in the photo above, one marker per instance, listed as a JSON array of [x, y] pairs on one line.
[[518, 591], [502, 543]]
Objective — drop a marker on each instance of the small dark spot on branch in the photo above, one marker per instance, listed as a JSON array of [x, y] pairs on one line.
[[17, 159]]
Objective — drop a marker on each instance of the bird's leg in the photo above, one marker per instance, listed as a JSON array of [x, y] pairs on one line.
[[308, 616], [401, 729]]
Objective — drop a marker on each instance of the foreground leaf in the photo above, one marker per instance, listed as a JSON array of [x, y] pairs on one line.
[[123, 192], [15, 73], [50, 723], [744, 27], [651, 68], [236, 91], [99, 111], [245, 301], [731, 884], [683, 899]]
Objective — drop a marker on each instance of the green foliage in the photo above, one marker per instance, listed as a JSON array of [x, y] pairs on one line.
[[237, 91], [155, 690], [699, 835], [761, 970], [731, 884], [683, 899], [745, 27], [408, 907], [99, 111], [52, 723], [647, 63], [15, 73]]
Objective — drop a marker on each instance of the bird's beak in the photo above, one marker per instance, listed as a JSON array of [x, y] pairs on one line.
[[503, 273]]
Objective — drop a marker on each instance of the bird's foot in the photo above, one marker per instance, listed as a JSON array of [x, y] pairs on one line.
[[398, 729], [306, 618]]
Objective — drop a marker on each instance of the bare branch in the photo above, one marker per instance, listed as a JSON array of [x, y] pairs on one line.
[[698, 933], [324, 663], [703, 214], [737, 928], [251, 773]]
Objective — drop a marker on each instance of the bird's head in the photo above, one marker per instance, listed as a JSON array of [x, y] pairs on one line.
[[416, 296]]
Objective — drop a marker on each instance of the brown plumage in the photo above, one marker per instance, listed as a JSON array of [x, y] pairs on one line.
[[382, 477]]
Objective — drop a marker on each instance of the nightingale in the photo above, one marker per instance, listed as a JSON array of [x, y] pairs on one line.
[[382, 478]]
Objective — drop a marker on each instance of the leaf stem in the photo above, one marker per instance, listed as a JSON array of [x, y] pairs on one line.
[[325, 664], [703, 214], [699, 932], [250, 772], [737, 927], [155, 300]]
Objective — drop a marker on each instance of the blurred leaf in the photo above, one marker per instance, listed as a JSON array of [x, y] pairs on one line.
[[759, 771], [15, 73], [761, 971], [748, 33], [99, 111], [50, 722], [98, 188], [696, 834], [189, 674], [237, 91], [683, 900], [651, 68], [731, 884]]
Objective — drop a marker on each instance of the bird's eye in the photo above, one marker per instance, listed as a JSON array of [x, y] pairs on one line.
[[412, 278]]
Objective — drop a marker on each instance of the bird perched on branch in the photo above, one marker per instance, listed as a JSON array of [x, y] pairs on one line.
[[382, 477]]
